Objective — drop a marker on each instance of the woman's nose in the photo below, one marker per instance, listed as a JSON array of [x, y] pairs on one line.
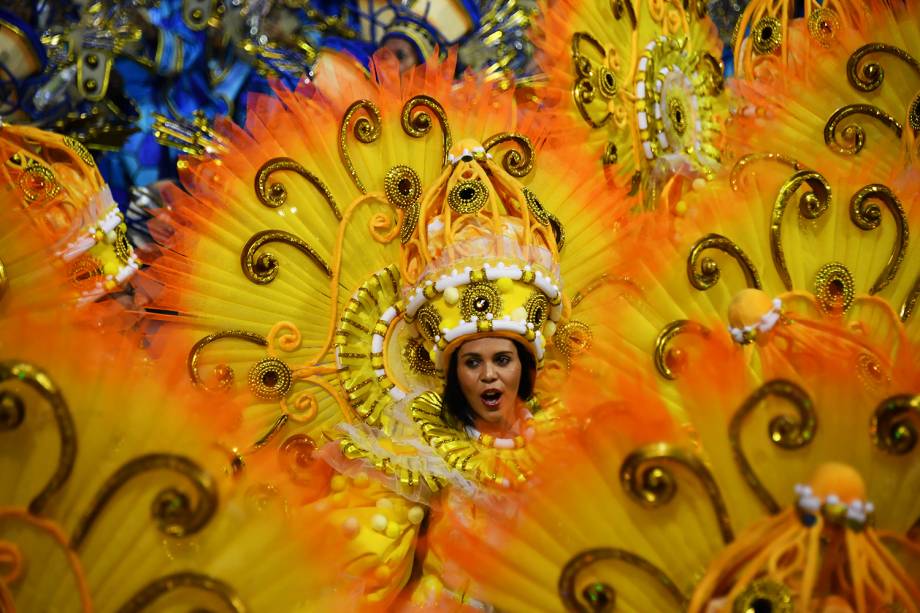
[[488, 372]]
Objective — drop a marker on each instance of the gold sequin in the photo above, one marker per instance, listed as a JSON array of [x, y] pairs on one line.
[[767, 35], [834, 288], [270, 379], [468, 197]]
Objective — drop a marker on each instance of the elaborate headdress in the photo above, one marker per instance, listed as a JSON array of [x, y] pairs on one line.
[[480, 254]]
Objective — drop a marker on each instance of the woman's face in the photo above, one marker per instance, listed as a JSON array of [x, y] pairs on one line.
[[489, 372]]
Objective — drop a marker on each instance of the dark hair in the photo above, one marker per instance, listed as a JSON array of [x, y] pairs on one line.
[[455, 403]]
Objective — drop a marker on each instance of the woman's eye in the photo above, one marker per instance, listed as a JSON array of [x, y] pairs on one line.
[[472, 363], [502, 360]]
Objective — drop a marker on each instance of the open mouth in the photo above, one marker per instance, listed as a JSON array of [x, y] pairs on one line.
[[491, 398]]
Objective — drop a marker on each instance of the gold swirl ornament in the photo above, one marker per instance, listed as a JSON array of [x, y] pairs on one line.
[[13, 413], [595, 595], [647, 478]]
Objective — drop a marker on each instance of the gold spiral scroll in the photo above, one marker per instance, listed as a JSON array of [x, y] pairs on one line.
[[183, 580], [602, 596], [366, 130], [172, 509], [263, 269], [784, 432], [417, 123], [812, 205], [224, 372], [618, 7], [868, 77], [584, 91], [895, 422], [868, 216], [516, 162], [276, 194], [645, 476], [854, 135], [709, 272], [12, 409], [663, 352]]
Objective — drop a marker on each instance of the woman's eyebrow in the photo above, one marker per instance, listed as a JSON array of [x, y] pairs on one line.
[[470, 354]]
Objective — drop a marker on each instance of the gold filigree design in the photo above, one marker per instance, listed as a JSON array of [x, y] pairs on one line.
[[606, 82], [223, 372], [536, 207], [812, 205], [618, 7], [84, 272], [468, 197], [558, 231], [669, 360], [834, 288], [296, 458], [403, 189], [677, 114], [871, 372], [428, 322], [645, 476], [517, 162], [38, 183], [270, 379], [172, 509], [704, 272], [366, 130], [418, 359], [913, 114], [12, 409], [4, 280], [417, 123], [766, 35], [480, 299], [573, 338], [907, 307], [868, 216], [584, 90], [264, 268], [601, 596], [537, 307], [81, 151], [121, 245], [182, 581], [894, 424], [275, 194], [764, 595], [785, 432], [868, 77], [823, 25], [854, 135]]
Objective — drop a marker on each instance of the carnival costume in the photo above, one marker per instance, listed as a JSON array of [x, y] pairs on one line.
[[669, 248]]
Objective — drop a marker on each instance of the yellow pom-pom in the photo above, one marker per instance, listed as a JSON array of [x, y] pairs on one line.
[[504, 285], [351, 527], [392, 530]]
